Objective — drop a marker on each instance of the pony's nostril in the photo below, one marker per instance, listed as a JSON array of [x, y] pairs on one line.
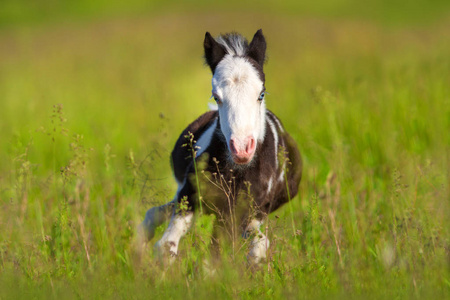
[[233, 148], [251, 145]]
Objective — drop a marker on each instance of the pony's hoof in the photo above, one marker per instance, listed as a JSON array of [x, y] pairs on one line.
[[166, 252]]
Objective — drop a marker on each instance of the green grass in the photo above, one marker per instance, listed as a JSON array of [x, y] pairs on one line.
[[90, 110]]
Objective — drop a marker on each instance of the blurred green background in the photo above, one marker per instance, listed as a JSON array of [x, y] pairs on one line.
[[394, 12], [93, 95]]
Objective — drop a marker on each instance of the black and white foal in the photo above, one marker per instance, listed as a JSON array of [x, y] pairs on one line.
[[240, 141]]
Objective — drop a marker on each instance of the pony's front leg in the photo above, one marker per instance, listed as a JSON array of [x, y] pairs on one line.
[[154, 217], [167, 246], [259, 243]]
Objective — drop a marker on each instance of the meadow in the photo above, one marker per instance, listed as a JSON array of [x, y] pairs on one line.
[[92, 103]]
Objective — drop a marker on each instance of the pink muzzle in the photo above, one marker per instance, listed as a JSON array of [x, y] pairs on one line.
[[242, 151]]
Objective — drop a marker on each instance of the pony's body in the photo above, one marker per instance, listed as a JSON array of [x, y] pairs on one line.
[[248, 165]]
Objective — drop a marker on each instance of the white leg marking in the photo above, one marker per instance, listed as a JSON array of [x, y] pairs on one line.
[[167, 246], [259, 244]]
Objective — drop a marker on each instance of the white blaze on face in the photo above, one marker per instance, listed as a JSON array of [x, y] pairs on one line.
[[242, 116]]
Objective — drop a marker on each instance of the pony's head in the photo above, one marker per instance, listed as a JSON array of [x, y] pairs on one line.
[[238, 88]]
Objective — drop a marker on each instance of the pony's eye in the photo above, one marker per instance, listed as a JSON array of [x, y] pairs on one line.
[[261, 96], [217, 99]]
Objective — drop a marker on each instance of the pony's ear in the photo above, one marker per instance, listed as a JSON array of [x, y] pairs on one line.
[[257, 48], [214, 52]]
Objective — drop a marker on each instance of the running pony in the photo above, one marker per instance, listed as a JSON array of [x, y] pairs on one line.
[[236, 160]]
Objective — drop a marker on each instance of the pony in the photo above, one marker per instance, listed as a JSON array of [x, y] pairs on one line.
[[247, 163]]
